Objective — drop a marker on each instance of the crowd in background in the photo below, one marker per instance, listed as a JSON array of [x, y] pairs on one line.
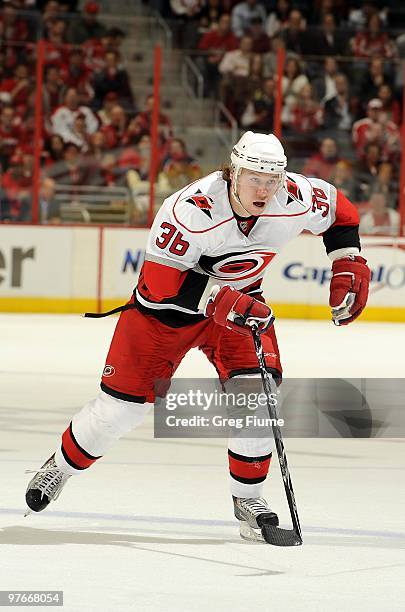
[[93, 131], [342, 95], [342, 84]]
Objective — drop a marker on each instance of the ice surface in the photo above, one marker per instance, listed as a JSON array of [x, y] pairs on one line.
[[150, 526]]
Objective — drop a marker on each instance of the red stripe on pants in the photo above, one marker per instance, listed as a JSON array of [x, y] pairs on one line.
[[249, 469], [73, 451]]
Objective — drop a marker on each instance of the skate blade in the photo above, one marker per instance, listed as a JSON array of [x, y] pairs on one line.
[[27, 511], [247, 533]]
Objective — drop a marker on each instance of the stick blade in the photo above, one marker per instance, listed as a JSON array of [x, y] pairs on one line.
[[281, 537]]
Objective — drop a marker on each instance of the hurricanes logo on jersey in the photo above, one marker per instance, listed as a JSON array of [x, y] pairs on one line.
[[109, 370], [236, 266], [202, 202]]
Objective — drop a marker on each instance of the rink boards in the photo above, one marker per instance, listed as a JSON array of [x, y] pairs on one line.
[[73, 269]]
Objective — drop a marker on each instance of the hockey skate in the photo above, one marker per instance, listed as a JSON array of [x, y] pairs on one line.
[[45, 487], [254, 515]]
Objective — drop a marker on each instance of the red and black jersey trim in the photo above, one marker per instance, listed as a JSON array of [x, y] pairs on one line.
[[341, 237], [276, 374], [73, 453], [248, 470], [139, 399]]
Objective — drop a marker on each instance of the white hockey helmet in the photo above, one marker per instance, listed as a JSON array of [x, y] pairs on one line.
[[259, 152]]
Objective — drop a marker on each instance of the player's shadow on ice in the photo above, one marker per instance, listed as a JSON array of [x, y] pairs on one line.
[[28, 536], [33, 536]]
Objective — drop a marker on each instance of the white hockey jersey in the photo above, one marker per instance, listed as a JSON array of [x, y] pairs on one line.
[[197, 239]]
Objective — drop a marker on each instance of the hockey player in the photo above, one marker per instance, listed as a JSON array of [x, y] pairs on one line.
[[222, 230]]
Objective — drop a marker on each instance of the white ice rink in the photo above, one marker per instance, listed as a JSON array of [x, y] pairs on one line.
[[150, 526]]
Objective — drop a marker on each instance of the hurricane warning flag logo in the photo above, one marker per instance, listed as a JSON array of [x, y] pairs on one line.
[[202, 202]]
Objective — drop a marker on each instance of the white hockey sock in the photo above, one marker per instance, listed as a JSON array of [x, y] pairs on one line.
[[249, 450], [94, 430]]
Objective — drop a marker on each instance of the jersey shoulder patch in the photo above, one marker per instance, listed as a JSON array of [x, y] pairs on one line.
[[201, 201], [298, 188], [203, 205]]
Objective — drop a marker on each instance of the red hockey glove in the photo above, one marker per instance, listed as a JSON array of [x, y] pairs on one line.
[[237, 311], [348, 289]]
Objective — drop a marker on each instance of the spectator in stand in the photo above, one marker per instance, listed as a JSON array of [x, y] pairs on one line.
[[260, 41], [255, 74], [235, 69], [292, 83], [185, 18], [342, 178], [381, 220], [178, 165], [295, 36], [26, 117], [142, 124], [50, 10], [10, 135], [116, 37], [319, 8], [74, 169], [78, 133], [95, 50], [385, 183], [360, 16], [17, 184], [49, 207], [113, 78], [77, 74], [270, 59], [16, 89], [56, 49], [12, 26], [110, 100], [215, 43], [243, 13], [390, 105], [366, 170], [86, 27], [306, 113], [323, 164], [259, 112], [210, 15], [329, 40], [103, 158], [63, 118], [115, 132], [278, 19], [325, 85], [52, 91], [375, 128], [373, 79], [142, 162], [373, 41], [338, 111], [55, 149]]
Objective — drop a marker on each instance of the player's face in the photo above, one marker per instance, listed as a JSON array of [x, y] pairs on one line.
[[256, 189]]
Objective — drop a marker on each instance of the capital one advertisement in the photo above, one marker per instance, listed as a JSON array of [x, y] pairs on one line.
[[300, 274], [302, 271]]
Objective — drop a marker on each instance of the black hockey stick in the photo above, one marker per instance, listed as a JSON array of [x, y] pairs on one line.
[[275, 535]]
